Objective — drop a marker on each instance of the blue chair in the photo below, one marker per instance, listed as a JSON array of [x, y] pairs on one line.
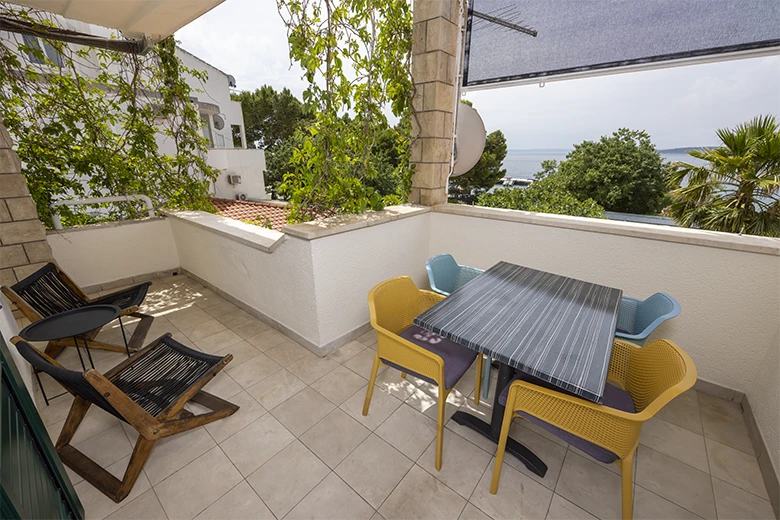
[[637, 318], [446, 275]]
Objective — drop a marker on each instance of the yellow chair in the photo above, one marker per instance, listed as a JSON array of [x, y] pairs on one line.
[[393, 305], [650, 376]]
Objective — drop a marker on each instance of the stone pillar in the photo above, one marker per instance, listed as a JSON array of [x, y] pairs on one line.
[[434, 73], [23, 246]]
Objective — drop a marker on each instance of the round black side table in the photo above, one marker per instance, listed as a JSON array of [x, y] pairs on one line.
[[71, 324]]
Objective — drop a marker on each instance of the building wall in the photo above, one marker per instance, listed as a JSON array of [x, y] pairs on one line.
[[248, 163]]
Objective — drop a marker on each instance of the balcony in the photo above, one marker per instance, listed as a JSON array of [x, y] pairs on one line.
[[290, 306]]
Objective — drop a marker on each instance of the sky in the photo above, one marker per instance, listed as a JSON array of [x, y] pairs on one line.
[[678, 107]]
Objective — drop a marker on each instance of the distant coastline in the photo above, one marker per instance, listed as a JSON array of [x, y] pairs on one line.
[[564, 151]]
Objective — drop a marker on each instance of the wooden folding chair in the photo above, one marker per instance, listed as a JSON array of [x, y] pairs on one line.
[[147, 391], [50, 291]]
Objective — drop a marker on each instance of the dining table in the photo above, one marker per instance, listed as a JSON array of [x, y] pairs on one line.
[[554, 328]]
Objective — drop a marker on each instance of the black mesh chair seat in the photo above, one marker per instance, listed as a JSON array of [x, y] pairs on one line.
[[126, 298], [160, 377]]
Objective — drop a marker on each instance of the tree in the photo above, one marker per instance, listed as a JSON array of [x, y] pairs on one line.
[[485, 174], [622, 172], [547, 195], [738, 189], [270, 117], [356, 57], [87, 125]]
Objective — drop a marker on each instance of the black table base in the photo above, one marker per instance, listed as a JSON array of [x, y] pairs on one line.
[[493, 430]]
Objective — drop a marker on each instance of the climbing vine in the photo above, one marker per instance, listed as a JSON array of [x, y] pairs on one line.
[[89, 122], [355, 56]]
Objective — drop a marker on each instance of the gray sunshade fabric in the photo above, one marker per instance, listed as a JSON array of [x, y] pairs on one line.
[[581, 36]]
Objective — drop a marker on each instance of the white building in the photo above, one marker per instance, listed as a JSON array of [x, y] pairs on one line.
[[241, 169]]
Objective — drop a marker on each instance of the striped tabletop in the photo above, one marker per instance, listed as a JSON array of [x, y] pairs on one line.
[[555, 328]]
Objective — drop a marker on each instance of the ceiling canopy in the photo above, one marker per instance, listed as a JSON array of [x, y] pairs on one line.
[[532, 41], [151, 20]]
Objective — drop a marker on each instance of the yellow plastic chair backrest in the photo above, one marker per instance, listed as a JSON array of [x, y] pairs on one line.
[[393, 304]]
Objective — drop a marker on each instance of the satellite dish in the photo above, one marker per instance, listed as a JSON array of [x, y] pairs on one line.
[[219, 121], [470, 140]]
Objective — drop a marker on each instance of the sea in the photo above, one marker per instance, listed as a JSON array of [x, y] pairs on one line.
[[523, 164]]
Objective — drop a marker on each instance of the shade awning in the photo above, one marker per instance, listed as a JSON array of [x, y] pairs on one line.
[[136, 19], [591, 37]]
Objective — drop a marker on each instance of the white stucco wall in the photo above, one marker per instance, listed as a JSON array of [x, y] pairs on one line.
[[108, 252], [9, 329], [279, 284], [764, 397], [730, 299], [248, 163], [348, 265]]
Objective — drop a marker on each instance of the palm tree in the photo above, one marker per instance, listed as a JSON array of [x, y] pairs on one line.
[[737, 190]]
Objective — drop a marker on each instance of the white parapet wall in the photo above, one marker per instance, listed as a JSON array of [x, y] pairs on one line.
[[103, 253]]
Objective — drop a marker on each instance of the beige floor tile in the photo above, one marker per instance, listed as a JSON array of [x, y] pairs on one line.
[[203, 329], [408, 431], [382, 405], [196, 486], [256, 444], [240, 503], [562, 509], [221, 309], [57, 410], [186, 318], [173, 453], [736, 467], [675, 441], [267, 339], [683, 411], [302, 411], [288, 477], [145, 507], [391, 382], [335, 437], [551, 453], [223, 386], [97, 505], [462, 466], [339, 385], [287, 352], [219, 341], [96, 421], [470, 435], [107, 447], [649, 506], [250, 328], [590, 486], [420, 495], [518, 496], [310, 367], [362, 362], [723, 422], [235, 319], [332, 499], [253, 371], [374, 469], [368, 339], [454, 401], [276, 389], [472, 512], [734, 503], [345, 352], [241, 351], [675, 481], [249, 411], [210, 300], [468, 382]]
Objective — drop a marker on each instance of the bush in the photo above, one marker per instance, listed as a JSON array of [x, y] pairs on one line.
[[543, 196]]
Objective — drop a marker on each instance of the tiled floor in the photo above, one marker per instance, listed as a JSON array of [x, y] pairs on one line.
[[300, 448]]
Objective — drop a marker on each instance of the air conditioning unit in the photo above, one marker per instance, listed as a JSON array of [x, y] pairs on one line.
[[240, 196], [234, 179]]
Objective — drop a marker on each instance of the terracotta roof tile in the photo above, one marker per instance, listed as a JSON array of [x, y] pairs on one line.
[[276, 213]]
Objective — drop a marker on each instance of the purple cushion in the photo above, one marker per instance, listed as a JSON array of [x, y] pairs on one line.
[[457, 358], [614, 397]]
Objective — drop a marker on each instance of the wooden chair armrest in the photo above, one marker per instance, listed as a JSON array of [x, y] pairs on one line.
[[408, 355], [612, 429]]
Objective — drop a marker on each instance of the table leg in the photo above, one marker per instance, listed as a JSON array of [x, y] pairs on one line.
[[124, 337], [86, 347], [76, 344], [40, 385], [493, 430]]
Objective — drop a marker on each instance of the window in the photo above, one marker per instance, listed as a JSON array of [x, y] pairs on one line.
[[207, 130], [236, 131], [46, 49]]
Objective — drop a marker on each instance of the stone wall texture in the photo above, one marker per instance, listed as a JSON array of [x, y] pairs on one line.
[[434, 72], [23, 246]]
